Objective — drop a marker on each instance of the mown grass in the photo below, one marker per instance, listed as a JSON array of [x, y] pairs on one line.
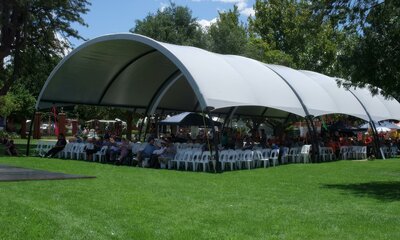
[[339, 200]]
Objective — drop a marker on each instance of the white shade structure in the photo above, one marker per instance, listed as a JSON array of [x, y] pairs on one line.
[[134, 71]]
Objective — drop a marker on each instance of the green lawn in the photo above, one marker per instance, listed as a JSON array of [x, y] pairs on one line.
[[338, 200]]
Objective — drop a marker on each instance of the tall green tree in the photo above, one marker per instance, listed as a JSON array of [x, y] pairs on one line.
[[299, 29], [257, 48], [228, 35], [173, 24], [38, 25], [374, 56]]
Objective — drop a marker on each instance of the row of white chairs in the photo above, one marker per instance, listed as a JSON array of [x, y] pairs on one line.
[[191, 159], [353, 152], [43, 147], [297, 155], [74, 151], [360, 152], [70, 151], [326, 154], [238, 159], [188, 146], [390, 152]]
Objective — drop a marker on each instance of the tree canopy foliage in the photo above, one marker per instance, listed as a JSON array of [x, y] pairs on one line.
[[32, 40], [173, 24], [228, 35], [375, 57], [298, 30]]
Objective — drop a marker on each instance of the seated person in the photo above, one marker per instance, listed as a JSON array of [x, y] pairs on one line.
[[161, 153], [11, 150], [124, 149], [147, 151], [168, 153], [93, 147], [249, 143], [170, 150], [60, 145], [113, 150]]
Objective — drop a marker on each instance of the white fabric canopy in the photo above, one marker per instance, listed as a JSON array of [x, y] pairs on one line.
[[345, 101], [133, 71]]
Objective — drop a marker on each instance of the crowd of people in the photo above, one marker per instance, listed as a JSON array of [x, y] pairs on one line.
[[157, 151], [119, 149]]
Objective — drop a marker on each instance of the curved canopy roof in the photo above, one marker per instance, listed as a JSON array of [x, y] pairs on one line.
[[133, 71]]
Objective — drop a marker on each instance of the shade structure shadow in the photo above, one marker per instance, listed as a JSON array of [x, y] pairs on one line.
[[384, 191], [11, 173]]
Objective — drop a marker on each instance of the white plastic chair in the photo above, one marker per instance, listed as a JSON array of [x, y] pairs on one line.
[[205, 159], [265, 157], [246, 158], [393, 151], [233, 158], [177, 159], [284, 156], [100, 155], [293, 154], [194, 160], [305, 153], [224, 158], [45, 147], [40, 151], [239, 156], [78, 151], [344, 152], [386, 151], [362, 152], [257, 158], [187, 158], [274, 155], [326, 154], [66, 150]]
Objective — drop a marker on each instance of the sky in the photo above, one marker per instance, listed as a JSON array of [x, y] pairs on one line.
[[116, 16]]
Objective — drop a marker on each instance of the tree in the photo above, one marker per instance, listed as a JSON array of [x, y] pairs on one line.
[[19, 101], [228, 35], [299, 29], [258, 49], [34, 24], [375, 55], [174, 24]]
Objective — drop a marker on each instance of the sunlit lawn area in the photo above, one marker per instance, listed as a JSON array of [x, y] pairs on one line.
[[338, 200]]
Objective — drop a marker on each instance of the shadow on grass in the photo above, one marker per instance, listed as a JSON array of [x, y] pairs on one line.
[[384, 191]]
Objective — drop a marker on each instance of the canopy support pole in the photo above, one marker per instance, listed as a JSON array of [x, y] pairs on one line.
[[314, 138], [229, 116], [30, 133], [215, 140], [308, 117], [146, 130], [144, 122], [377, 144]]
